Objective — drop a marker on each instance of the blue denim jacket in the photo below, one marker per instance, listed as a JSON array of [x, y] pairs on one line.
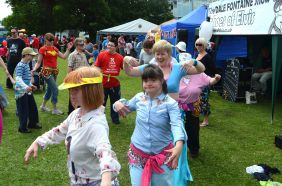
[[156, 119]]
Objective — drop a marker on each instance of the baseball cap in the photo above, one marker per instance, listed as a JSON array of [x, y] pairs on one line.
[[28, 50]]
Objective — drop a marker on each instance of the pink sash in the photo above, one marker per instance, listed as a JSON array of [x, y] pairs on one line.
[[153, 163]]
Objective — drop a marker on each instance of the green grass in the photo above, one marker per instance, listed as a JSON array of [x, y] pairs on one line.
[[239, 135]]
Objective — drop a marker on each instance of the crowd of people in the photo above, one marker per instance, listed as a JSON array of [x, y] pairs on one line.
[[175, 93]]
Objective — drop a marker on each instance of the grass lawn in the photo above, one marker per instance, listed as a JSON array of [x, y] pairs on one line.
[[239, 136]]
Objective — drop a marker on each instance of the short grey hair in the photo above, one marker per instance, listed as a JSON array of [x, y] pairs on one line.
[[202, 41], [78, 40]]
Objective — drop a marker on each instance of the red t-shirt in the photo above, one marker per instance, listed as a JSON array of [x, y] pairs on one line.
[[50, 55], [26, 41], [35, 43], [110, 64]]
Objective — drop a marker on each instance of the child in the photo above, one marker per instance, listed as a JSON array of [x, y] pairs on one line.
[[189, 91], [93, 55], [35, 79], [3, 100], [152, 156], [26, 106], [95, 52], [182, 55], [85, 131]]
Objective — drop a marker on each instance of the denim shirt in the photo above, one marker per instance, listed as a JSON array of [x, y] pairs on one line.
[[156, 119]]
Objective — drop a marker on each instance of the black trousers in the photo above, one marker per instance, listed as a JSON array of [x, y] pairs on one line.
[[114, 94], [27, 111], [192, 127], [11, 65]]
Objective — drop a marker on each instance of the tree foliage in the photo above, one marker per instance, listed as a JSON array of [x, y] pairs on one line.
[[41, 16]]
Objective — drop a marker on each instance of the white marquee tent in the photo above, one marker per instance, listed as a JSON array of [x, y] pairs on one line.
[[136, 27]]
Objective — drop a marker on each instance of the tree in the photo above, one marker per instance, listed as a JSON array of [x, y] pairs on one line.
[[41, 16], [155, 11]]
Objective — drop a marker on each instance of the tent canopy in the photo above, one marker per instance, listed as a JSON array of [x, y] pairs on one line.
[[192, 20], [188, 23], [136, 27]]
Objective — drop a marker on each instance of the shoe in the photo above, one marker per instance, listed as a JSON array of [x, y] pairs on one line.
[[24, 131], [204, 124], [44, 108], [37, 126], [116, 122], [7, 87], [194, 154], [57, 112]]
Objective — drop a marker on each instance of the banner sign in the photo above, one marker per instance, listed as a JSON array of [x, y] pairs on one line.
[[169, 34], [246, 17]]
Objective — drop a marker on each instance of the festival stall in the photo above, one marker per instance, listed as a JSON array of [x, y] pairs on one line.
[[136, 27], [255, 23], [186, 25]]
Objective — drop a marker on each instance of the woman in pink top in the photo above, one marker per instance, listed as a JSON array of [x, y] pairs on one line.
[[189, 91]]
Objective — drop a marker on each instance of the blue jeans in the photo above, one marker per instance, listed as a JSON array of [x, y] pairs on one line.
[[52, 89], [98, 183], [27, 111], [165, 179], [114, 94]]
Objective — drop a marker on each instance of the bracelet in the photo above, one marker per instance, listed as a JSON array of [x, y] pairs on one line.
[[195, 63]]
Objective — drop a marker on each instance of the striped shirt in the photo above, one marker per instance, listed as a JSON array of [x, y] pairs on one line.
[[23, 79]]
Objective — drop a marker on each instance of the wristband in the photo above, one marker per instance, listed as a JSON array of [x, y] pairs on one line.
[[195, 62]]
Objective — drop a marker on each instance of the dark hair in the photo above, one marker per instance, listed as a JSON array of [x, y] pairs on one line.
[[152, 71], [148, 44], [87, 39], [15, 28], [113, 40], [95, 46]]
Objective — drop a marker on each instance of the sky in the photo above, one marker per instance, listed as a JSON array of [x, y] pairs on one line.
[[5, 9]]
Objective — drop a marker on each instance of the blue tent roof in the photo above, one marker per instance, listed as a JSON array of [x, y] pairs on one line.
[[191, 20]]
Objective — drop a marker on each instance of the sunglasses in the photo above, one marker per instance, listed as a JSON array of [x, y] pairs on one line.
[[199, 44], [111, 45], [80, 44], [13, 32], [50, 40]]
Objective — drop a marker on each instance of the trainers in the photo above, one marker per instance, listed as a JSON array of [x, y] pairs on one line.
[[44, 108], [204, 124], [57, 112]]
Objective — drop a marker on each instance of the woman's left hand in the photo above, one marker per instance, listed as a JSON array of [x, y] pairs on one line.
[[187, 65], [217, 77], [70, 45], [175, 153]]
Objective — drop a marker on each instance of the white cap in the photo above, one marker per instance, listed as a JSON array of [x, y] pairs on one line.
[[181, 46], [33, 35]]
